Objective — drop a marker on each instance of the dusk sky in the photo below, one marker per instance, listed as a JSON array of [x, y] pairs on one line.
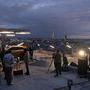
[[42, 17]]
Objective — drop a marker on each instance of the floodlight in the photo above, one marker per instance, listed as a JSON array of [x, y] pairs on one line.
[[82, 53]]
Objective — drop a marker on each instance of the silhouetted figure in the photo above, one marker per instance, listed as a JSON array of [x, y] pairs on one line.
[[31, 53], [26, 61], [57, 62], [2, 52], [65, 63], [0, 73], [89, 61], [8, 62]]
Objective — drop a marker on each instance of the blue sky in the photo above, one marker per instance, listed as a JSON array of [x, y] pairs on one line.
[[42, 17]]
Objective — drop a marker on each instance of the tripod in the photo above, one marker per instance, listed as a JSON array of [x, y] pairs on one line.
[[49, 66]]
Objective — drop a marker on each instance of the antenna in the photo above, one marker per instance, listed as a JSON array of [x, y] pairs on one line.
[[65, 40], [53, 39], [53, 35]]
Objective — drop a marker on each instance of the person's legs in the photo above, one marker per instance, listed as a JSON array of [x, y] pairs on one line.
[[31, 57], [27, 69], [8, 72], [56, 68], [59, 68]]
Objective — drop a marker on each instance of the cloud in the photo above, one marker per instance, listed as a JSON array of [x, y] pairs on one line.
[[42, 17], [41, 5]]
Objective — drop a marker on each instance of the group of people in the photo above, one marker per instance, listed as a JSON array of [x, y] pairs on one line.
[[57, 62], [8, 62]]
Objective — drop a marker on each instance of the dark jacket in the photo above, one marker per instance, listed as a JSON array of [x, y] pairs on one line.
[[8, 60], [65, 61], [25, 57], [57, 58]]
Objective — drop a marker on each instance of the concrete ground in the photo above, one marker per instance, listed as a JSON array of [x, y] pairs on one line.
[[40, 79]]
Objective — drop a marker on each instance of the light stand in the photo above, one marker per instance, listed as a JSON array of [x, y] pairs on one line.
[[82, 64]]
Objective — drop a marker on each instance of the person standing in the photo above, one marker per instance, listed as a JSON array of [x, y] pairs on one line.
[[2, 52], [65, 62], [26, 61], [31, 53], [57, 62], [8, 60], [0, 73]]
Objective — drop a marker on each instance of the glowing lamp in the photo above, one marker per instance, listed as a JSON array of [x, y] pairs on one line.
[[38, 45], [88, 48], [82, 53]]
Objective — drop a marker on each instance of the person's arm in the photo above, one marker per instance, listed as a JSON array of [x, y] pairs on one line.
[[12, 59]]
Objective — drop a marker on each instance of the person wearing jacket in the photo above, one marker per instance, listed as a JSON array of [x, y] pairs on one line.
[[57, 62], [31, 53], [26, 61], [65, 62], [9, 63]]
